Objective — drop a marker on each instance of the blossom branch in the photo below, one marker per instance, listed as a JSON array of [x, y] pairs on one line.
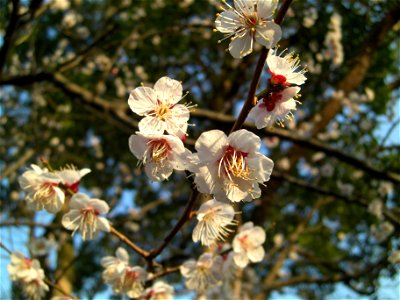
[[128, 242], [248, 104]]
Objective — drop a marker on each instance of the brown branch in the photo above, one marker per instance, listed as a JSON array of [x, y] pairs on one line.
[[21, 161], [185, 216], [165, 272], [128, 242]]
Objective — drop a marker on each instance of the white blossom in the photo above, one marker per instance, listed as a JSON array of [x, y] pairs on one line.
[[382, 231], [214, 217], [29, 274], [247, 244], [132, 282], [285, 70], [42, 189], [159, 291], [115, 266], [160, 154], [203, 273], [246, 22], [159, 107], [275, 107], [230, 167], [333, 41], [84, 216]]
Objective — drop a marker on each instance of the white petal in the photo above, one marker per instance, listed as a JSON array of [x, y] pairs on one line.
[[236, 193], [168, 90], [241, 260], [152, 125], [262, 166], [256, 254], [187, 267], [158, 172], [257, 236], [71, 219], [246, 226], [210, 145], [138, 145], [100, 206], [266, 8], [103, 224], [244, 5], [289, 93], [84, 171], [180, 161], [244, 140], [227, 22], [142, 100], [78, 201], [268, 35], [122, 254], [241, 45], [204, 180]]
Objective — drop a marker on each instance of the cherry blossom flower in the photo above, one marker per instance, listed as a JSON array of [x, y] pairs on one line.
[[213, 217], [394, 258], [275, 107], [159, 107], [71, 177], [84, 216], [132, 282], [42, 189], [246, 22], [203, 273], [160, 154], [247, 244], [159, 291], [230, 167], [29, 274], [285, 70], [115, 266]]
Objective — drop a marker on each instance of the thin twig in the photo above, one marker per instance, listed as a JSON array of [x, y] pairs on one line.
[[127, 241]]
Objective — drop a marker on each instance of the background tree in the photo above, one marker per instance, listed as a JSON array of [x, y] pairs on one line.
[[67, 68]]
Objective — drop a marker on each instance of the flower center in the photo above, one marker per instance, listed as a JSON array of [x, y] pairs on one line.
[[159, 150], [278, 80], [162, 110], [74, 187], [89, 215], [251, 20], [233, 164], [269, 102]]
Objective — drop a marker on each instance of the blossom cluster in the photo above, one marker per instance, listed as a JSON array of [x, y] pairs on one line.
[[28, 274], [130, 280]]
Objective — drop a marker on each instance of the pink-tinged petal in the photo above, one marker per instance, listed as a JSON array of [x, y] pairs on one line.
[[169, 91], [100, 206], [142, 100], [266, 8], [210, 145], [241, 45], [78, 201], [240, 259], [262, 166], [244, 141], [138, 145], [268, 35], [152, 125], [71, 219], [258, 111], [227, 22], [103, 224], [257, 254]]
